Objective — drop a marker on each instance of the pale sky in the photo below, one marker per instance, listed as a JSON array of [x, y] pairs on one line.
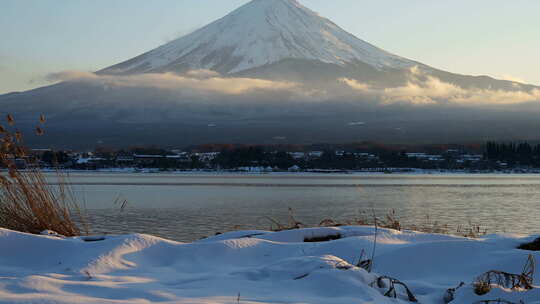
[[499, 38]]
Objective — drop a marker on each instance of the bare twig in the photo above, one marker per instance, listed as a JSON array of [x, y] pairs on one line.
[[370, 268], [451, 293], [390, 284], [483, 283]]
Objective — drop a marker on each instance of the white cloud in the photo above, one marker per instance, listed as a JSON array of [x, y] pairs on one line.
[[202, 74], [422, 88], [199, 81]]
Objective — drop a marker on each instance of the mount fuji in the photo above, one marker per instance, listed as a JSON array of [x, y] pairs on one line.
[[261, 33], [284, 40], [273, 71]]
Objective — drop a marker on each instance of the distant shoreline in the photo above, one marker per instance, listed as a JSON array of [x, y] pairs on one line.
[[314, 172]]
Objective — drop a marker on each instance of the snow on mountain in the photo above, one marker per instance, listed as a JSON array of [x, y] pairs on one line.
[[335, 78], [259, 33]]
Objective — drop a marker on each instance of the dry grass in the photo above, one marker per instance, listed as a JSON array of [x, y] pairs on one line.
[[390, 220], [28, 203], [523, 281], [275, 225]]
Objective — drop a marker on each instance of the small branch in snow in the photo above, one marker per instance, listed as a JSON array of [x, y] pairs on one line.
[[370, 267], [451, 293], [484, 282], [362, 262], [390, 283], [88, 275]]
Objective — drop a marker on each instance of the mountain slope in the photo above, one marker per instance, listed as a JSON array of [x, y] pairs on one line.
[[259, 33], [131, 103], [282, 39]]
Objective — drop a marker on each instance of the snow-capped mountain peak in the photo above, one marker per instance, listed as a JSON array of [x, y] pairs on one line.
[[259, 33]]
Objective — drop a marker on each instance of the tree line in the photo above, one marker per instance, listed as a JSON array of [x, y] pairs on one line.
[[522, 153]]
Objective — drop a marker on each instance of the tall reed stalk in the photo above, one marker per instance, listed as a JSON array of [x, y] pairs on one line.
[[28, 202]]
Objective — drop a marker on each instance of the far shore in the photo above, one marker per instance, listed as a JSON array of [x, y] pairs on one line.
[[257, 171]]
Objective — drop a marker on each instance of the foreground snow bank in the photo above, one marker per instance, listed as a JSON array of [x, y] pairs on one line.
[[253, 267]]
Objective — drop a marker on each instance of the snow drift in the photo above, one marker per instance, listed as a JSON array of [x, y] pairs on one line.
[[253, 267]]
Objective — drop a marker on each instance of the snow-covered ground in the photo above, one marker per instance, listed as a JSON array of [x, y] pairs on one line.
[[253, 267]]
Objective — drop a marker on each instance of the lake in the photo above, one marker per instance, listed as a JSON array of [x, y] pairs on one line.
[[187, 207]]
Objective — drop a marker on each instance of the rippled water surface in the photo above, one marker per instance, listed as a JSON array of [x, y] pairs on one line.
[[186, 207]]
